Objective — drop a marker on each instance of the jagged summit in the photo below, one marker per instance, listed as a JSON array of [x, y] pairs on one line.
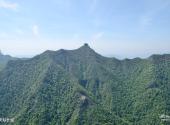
[[86, 50], [86, 44], [86, 47]]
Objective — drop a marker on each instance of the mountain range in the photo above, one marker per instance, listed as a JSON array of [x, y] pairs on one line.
[[82, 87]]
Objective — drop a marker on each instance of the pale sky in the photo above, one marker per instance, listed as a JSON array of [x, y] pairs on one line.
[[120, 28]]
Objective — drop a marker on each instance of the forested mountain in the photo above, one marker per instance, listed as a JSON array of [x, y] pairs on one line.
[[4, 59], [81, 87]]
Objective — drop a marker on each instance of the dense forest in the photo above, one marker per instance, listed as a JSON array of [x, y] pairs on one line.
[[81, 87]]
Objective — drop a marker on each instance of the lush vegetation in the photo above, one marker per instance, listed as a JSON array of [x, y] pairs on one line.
[[81, 87]]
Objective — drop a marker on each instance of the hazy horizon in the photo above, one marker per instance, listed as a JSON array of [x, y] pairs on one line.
[[109, 56], [122, 29]]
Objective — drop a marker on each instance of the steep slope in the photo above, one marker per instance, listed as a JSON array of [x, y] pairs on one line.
[[81, 87]]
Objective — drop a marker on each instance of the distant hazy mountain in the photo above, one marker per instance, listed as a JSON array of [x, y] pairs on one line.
[[81, 87]]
